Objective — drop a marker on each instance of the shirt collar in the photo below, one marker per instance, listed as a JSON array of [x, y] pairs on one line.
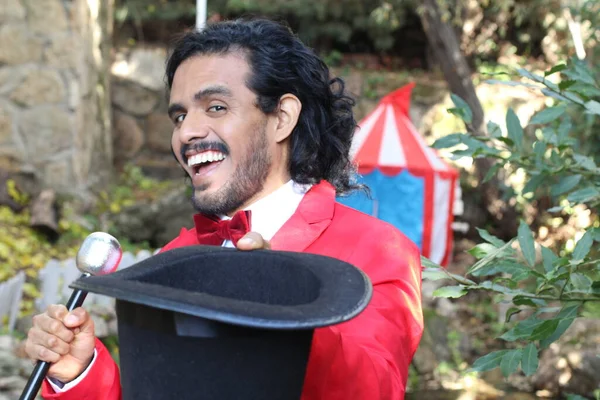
[[272, 211]]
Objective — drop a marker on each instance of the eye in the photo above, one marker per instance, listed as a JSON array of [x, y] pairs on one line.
[[216, 108], [179, 118]]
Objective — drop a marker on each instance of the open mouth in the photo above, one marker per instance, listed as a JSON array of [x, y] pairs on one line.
[[205, 162]]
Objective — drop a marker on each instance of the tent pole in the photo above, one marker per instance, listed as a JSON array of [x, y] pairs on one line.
[[200, 14]]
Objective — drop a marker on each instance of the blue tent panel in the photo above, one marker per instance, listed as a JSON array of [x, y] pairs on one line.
[[399, 200]]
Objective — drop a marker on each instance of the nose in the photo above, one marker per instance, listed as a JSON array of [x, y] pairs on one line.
[[193, 127]]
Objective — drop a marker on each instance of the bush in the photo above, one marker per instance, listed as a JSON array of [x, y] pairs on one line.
[[551, 284], [22, 248]]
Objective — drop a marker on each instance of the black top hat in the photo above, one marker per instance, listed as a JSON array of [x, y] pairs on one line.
[[207, 322]]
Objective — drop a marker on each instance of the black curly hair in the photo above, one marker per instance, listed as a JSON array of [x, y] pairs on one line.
[[281, 63]]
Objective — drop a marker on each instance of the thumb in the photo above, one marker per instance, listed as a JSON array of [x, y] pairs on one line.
[[252, 241], [78, 318]]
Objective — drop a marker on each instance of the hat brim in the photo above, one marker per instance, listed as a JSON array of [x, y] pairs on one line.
[[262, 288]]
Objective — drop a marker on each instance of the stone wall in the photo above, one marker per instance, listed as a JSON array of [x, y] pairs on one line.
[[141, 128], [54, 91]]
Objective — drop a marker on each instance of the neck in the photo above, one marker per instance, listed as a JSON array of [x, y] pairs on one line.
[[270, 186]]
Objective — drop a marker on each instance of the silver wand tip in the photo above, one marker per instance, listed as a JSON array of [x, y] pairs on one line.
[[99, 254]]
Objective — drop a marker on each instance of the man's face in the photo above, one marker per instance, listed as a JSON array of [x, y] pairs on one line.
[[221, 138]]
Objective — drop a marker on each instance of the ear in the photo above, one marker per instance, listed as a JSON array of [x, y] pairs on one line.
[[287, 116]]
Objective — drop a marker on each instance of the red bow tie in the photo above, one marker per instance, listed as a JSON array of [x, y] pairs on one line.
[[213, 231]]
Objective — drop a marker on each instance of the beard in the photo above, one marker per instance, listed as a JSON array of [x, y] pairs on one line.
[[247, 180]]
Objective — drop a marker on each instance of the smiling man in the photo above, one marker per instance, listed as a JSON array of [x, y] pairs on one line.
[[264, 134]]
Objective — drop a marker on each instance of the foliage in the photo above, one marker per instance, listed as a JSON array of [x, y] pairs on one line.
[[329, 20], [131, 188], [25, 249], [22, 248], [489, 28], [548, 286]]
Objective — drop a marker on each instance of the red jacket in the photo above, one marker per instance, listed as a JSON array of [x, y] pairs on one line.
[[366, 358]]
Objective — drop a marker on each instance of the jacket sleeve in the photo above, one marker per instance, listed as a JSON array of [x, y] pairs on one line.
[[368, 357], [102, 381]]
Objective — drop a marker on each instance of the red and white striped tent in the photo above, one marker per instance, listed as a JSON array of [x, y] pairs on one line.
[[411, 186]]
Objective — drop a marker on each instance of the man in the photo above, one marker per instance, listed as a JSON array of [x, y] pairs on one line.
[[260, 126]]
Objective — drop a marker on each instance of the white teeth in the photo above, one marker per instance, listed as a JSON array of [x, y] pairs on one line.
[[209, 156]]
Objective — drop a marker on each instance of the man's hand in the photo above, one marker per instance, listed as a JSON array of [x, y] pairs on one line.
[[64, 339], [252, 241]]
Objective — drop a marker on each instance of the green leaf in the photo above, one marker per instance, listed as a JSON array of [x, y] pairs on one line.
[[491, 172], [583, 195], [494, 130], [526, 242], [450, 291], [554, 95], [581, 282], [583, 246], [563, 129], [534, 77], [463, 109], [493, 268], [451, 140], [563, 325], [510, 312], [555, 69], [567, 83], [585, 162], [510, 361], [548, 115], [515, 130], [427, 263], [568, 312], [546, 329], [523, 301], [490, 257], [539, 149], [433, 274], [533, 183], [571, 396], [530, 361], [489, 361], [548, 258], [488, 237], [593, 106], [585, 90], [481, 250], [581, 72], [565, 185], [522, 330]]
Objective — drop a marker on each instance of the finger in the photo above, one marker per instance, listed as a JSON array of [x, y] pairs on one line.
[[252, 241], [57, 311], [37, 352], [49, 341], [76, 318], [54, 327], [86, 322]]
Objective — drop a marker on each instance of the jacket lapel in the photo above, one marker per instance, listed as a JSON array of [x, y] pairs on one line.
[[312, 217]]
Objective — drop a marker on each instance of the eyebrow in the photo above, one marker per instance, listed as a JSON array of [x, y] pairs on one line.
[[199, 96], [212, 90]]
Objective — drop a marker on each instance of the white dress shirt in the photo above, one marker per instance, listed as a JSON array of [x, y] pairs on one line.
[[268, 216]]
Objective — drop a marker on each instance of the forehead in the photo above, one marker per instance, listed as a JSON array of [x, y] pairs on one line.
[[197, 72]]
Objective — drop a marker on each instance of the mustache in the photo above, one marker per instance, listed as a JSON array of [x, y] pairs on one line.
[[204, 146]]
